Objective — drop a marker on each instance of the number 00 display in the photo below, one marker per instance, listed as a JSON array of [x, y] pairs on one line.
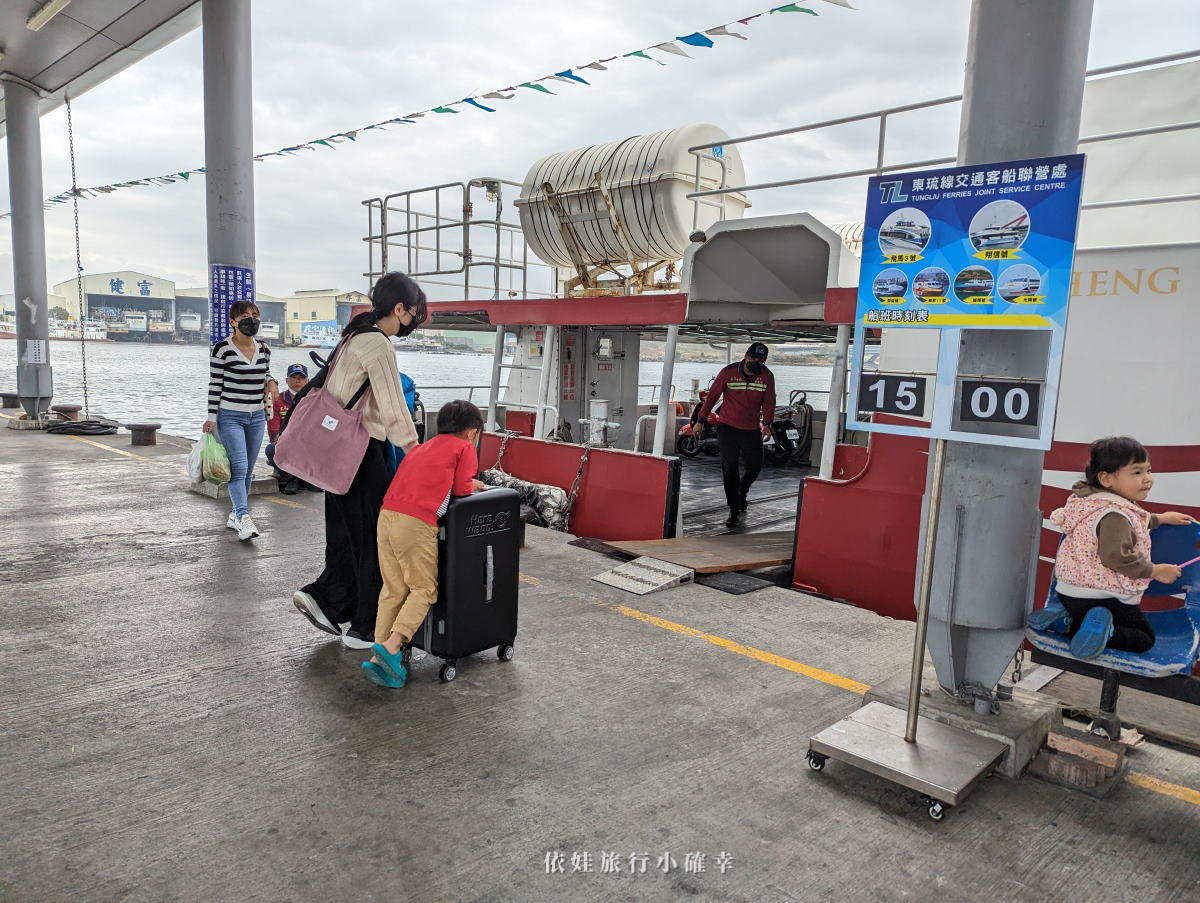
[[997, 401]]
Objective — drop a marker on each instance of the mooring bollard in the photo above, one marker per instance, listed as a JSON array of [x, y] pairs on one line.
[[68, 411], [10, 400], [143, 433]]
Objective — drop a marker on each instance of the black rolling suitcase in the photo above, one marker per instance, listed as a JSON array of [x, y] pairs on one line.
[[478, 571]]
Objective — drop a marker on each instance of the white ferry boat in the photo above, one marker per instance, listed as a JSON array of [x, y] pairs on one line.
[[133, 327]]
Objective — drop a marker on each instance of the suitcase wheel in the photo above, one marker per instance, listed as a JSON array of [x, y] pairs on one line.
[[448, 671], [504, 653]]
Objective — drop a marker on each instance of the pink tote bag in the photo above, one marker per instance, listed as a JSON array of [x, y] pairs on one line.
[[324, 443]]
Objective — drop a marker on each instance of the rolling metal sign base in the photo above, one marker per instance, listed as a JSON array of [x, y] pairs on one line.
[[882, 739], [944, 765]]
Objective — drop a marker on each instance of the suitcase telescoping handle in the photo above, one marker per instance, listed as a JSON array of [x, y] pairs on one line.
[[491, 573]]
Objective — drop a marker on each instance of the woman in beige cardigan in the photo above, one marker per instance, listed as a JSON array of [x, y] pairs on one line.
[[348, 588]]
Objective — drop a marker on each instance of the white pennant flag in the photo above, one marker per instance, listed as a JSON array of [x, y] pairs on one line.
[[668, 47], [724, 30]]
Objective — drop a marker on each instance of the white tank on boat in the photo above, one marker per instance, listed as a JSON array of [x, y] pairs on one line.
[[647, 178]]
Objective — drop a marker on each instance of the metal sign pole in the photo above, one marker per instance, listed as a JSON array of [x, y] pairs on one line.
[[924, 587]]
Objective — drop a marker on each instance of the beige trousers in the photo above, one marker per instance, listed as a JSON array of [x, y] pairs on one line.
[[408, 563]]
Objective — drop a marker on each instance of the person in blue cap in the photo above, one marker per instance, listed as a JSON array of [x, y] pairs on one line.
[[297, 379]]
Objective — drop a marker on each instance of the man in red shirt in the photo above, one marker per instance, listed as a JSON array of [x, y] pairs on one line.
[[428, 476], [748, 389]]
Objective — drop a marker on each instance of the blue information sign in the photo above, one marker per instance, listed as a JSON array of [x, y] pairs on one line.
[[226, 284], [951, 252]]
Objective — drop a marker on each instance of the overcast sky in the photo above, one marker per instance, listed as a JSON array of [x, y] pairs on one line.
[[317, 73]]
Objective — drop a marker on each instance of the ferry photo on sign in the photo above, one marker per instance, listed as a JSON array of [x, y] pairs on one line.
[[950, 256]]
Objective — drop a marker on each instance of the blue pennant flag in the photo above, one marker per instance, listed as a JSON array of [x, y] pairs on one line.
[[696, 40], [567, 73], [475, 103]]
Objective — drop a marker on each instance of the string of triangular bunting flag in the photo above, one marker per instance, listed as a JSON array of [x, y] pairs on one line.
[[701, 38]]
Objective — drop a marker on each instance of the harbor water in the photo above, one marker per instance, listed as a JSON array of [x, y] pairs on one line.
[[168, 384]]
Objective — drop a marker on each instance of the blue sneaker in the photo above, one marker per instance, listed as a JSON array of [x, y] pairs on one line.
[[392, 664], [380, 676], [1053, 618], [1094, 633]]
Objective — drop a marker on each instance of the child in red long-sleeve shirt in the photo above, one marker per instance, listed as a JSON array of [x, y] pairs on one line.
[[420, 492]]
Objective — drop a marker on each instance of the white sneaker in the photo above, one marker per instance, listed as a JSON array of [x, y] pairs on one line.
[[232, 521], [352, 641], [246, 529], [311, 609]]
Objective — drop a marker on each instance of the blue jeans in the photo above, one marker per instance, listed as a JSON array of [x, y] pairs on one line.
[[241, 432]]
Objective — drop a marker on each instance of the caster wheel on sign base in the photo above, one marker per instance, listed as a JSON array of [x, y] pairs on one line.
[[505, 653], [447, 673], [816, 761], [936, 810]]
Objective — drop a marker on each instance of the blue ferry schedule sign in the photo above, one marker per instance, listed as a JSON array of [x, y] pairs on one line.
[[226, 284], [949, 257]]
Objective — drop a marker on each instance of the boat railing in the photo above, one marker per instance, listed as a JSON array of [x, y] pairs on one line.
[[882, 117], [442, 231]]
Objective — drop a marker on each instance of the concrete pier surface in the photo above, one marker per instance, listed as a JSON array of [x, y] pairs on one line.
[[172, 729]]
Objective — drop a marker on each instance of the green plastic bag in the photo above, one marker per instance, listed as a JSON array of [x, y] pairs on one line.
[[214, 462]]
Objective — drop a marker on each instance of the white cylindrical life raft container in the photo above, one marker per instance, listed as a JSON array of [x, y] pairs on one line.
[[647, 178]]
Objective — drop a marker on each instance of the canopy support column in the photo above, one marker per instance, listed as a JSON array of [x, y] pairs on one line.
[[35, 379], [228, 148]]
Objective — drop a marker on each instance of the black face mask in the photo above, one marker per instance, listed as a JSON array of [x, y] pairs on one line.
[[248, 325], [753, 367], [408, 329]]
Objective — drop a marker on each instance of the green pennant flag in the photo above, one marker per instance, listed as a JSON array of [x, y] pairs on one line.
[[645, 56], [183, 175], [322, 141], [444, 110], [536, 87], [792, 8]]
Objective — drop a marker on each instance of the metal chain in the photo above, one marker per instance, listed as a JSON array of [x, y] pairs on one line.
[[587, 450], [78, 263], [1018, 665], [507, 434]]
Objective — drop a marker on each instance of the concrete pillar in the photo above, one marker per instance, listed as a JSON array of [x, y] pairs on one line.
[[1022, 98], [666, 410], [35, 380], [228, 139]]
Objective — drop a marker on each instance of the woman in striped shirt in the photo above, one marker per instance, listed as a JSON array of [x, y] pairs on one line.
[[239, 388]]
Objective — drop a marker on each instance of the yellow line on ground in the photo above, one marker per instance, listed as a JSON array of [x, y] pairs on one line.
[[1187, 794], [119, 451], [287, 503], [826, 677], [532, 581]]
